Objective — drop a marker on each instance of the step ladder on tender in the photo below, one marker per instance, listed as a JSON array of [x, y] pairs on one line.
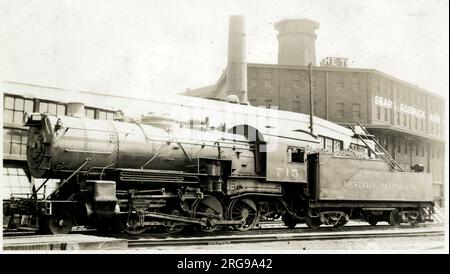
[[365, 135]]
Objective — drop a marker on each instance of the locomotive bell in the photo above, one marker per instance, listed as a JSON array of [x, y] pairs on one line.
[[217, 185]]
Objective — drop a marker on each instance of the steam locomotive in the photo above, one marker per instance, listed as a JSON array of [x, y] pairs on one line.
[[133, 177]]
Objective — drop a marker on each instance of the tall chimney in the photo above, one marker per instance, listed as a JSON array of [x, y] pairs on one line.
[[296, 42], [75, 109], [237, 64]]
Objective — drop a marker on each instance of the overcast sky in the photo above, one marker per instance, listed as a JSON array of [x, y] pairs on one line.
[[143, 48]]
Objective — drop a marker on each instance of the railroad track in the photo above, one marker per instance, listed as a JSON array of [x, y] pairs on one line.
[[283, 235], [274, 226]]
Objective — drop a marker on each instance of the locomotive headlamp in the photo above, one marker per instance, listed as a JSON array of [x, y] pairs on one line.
[[32, 118], [36, 117]]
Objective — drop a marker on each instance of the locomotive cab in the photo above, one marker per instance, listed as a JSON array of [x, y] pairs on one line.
[[287, 156]]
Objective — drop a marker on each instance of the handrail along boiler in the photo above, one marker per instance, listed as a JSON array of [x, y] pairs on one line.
[[132, 177]]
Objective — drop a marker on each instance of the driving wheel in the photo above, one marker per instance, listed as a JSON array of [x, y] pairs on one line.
[[244, 210], [210, 208]]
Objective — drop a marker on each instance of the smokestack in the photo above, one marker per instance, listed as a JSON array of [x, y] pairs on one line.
[[237, 64], [296, 42], [75, 109]]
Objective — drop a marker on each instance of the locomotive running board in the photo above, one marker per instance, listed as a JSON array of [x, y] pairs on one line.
[[157, 176]]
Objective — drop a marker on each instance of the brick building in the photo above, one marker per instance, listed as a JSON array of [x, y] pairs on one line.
[[406, 119]]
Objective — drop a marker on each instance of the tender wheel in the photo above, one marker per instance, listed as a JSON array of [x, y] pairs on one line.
[[211, 208], [289, 221], [413, 218], [59, 223], [340, 224], [394, 218], [313, 222], [131, 224], [371, 219], [246, 210]]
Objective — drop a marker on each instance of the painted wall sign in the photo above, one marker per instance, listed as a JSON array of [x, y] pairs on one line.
[[404, 108]]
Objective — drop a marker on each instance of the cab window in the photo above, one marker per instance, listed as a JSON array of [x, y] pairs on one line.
[[296, 155]]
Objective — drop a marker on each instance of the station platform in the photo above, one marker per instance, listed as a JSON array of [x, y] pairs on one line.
[[63, 242]]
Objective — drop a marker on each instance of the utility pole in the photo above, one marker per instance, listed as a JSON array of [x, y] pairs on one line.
[[311, 98]]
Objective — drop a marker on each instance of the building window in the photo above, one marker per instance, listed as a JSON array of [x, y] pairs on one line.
[[296, 80], [399, 146], [337, 145], [356, 110], [398, 118], [360, 148], [385, 114], [52, 108], [355, 82], [416, 148], [47, 188], [382, 87], [385, 143], [378, 113], [15, 183], [15, 141], [89, 113], [296, 106], [315, 82], [405, 122], [415, 123], [406, 147], [423, 150], [267, 83], [391, 112], [322, 141], [432, 127], [340, 110], [105, 115], [14, 109], [438, 154], [331, 144], [421, 124], [377, 85], [252, 77]]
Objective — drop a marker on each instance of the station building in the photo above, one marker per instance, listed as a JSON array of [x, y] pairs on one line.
[[406, 119]]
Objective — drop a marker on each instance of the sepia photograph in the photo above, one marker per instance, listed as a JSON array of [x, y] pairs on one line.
[[224, 127]]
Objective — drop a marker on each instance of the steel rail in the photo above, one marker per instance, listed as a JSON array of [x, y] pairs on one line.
[[273, 237]]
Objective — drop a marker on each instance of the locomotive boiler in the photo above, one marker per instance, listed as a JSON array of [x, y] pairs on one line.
[[145, 175], [134, 177]]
